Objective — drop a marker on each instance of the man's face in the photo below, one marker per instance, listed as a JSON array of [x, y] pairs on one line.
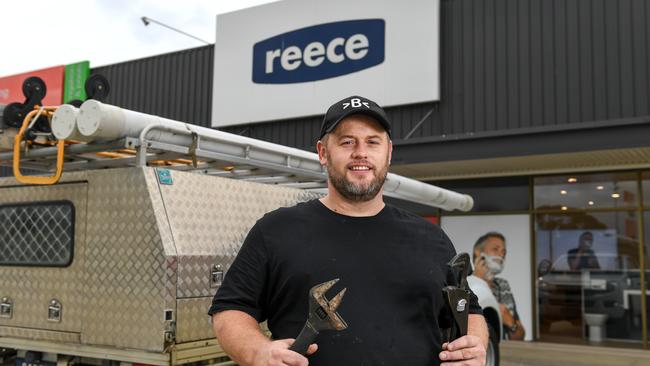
[[495, 246], [586, 240], [357, 154]]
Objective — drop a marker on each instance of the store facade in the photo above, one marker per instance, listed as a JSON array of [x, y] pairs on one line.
[[540, 109]]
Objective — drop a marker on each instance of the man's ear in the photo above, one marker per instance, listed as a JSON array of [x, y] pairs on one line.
[[390, 151], [322, 156]]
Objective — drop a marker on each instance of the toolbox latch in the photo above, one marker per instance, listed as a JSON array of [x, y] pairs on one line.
[[54, 311], [216, 276], [6, 308]]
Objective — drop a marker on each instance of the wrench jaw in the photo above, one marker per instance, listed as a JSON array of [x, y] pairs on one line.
[[322, 312], [322, 316]]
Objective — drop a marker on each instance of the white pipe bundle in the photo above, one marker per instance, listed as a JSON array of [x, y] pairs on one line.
[[97, 121], [64, 124]]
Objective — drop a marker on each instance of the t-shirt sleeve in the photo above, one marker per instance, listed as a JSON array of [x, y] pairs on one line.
[[245, 281]]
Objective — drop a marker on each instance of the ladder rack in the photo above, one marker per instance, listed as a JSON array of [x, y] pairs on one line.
[[141, 139]]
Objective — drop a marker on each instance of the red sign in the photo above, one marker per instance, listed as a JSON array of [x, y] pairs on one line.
[[432, 219], [11, 87]]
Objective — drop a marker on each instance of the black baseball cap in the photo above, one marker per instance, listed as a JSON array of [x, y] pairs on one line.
[[349, 106]]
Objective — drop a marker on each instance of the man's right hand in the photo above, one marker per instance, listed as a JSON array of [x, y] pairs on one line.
[[480, 268], [277, 353]]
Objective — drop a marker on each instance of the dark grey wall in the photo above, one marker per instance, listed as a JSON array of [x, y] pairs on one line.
[[508, 68], [175, 85], [520, 64]]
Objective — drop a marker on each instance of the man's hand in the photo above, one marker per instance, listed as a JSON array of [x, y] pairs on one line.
[[480, 268], [506, 316], [465, 351], [278, 353]]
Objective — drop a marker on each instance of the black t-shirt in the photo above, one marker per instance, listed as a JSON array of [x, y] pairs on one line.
[[393, 265]]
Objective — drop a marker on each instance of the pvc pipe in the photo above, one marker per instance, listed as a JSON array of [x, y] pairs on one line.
[[98, 121], [64, 124]]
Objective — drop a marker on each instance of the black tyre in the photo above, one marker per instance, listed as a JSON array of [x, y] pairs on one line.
[[34, 88], [492, 356], [97, 87]]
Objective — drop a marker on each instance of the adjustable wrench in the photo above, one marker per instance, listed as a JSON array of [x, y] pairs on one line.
[[322, 316]]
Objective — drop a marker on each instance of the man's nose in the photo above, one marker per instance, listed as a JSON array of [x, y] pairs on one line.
[[360, 151]]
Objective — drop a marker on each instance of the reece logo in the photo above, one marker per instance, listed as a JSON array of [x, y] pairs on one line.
[[319, 52]]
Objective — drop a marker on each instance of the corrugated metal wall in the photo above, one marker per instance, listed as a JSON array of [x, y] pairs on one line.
[[505, 65], [175, 85], [520, 64]]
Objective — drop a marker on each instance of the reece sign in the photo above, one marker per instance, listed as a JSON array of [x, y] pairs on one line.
[[294, 58], [319, 52]]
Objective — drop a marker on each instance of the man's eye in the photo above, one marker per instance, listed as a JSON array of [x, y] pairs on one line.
[[347, 142]]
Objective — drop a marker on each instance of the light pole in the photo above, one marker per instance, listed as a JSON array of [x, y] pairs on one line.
[[147, 20]]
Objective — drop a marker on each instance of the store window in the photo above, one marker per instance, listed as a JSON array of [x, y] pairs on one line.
[[587, 255], [593, 191]]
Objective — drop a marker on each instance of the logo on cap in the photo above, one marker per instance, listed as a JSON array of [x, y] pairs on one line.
[[356, 103]]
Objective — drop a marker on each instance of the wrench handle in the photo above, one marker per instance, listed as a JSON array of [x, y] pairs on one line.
[[305, 339]]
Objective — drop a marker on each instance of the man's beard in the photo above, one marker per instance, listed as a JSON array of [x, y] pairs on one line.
[[354, 191]]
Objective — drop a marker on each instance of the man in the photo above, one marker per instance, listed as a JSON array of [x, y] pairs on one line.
[[393, 264], [489, 257], [583, 257]]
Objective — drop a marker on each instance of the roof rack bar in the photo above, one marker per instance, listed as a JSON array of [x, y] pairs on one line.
[[149, 134]]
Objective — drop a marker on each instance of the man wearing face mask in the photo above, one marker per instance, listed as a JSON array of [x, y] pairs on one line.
[[583, 257], [489, 259]]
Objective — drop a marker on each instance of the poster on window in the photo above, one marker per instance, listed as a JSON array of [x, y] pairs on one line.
[[514, 271]]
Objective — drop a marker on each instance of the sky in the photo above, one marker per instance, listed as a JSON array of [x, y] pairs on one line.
[[42, 33]]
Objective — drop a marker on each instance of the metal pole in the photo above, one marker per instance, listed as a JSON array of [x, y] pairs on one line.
[[147, 20]]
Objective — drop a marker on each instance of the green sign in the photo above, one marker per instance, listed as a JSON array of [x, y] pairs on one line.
[[75, 79]]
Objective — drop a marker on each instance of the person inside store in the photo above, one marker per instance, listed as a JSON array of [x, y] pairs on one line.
[[583, 257], [489, 257], [392, 262]]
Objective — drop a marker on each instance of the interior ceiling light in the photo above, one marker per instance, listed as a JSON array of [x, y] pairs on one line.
[[591, 203], [564, 208], [572, 180], [616, 195], [600, 188], [563, 192]]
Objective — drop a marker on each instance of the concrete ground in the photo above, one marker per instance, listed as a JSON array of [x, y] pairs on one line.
[[517, 353]]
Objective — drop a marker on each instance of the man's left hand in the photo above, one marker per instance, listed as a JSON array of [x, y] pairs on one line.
[[465, 351]]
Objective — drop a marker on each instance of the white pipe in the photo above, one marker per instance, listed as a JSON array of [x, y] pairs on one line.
[[100, 121], [427, 194], [64, 124]]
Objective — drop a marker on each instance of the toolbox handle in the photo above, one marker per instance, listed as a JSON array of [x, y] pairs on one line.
[[31, 179]]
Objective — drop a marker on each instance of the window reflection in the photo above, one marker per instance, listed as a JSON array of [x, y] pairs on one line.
[[588, 272], [610, 190]]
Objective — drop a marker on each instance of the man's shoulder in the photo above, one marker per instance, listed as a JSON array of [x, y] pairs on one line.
[[501, 282], [282, 214], [413, 222], [404, 215]]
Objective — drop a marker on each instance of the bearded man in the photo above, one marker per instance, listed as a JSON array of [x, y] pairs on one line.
[[392, 262]]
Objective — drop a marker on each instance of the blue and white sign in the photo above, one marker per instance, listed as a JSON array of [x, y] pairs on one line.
[[294, 58], [319, 52]]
